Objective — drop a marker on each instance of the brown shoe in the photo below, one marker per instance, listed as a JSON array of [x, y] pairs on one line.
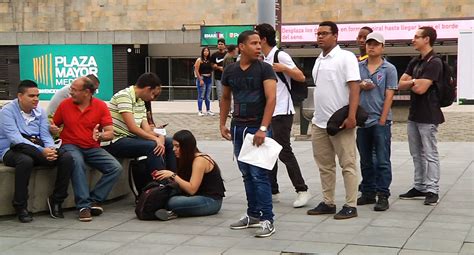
[[96, 209], [85, 214]]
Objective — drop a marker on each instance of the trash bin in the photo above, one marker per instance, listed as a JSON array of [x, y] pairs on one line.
[[307, 111]]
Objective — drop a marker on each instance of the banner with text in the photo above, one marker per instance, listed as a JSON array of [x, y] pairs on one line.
[[392, 31], [210, 34], [54, 66]]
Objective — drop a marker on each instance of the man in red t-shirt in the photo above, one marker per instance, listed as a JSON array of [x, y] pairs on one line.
[[86, 122]]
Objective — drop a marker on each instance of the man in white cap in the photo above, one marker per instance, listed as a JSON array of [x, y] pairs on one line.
[[379, 82]]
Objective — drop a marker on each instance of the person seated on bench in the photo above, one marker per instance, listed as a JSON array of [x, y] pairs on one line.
[[58, 97], [86, 122], [133, 135], [25, 142], [199, 180]]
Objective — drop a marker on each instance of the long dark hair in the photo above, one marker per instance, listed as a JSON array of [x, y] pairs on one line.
[[187, 151], [205, 58]]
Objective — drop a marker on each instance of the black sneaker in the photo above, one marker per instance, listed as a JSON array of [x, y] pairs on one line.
[[55, 209], [322, 208], [412, 194], [366, 199], [96, 209], [346, 212], [382, 203], [431, 198]]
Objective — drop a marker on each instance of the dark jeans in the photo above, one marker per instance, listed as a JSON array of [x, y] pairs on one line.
[[133, 147], [281, 132], [23, 157], [256, 179], [376, 169]]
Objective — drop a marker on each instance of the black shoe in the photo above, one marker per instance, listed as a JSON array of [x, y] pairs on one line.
[[322, 208], [431, 198], [23, 215], [346, 212], [412, 194], [96, 209], [366, 198], [382, 203], [55, 209]]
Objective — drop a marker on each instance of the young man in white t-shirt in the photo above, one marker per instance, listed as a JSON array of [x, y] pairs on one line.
[[336, 77], [282, 119]]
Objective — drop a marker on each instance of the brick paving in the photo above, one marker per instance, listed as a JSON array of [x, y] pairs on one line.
[[459, 126]]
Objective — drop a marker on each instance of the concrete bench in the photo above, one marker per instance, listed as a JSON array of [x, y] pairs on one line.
[[42, 185]]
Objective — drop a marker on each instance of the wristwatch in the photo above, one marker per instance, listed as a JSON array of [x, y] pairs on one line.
[[263, 129], [172, 176]]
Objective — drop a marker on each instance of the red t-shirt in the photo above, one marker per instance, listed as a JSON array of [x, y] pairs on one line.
[[78, 126]]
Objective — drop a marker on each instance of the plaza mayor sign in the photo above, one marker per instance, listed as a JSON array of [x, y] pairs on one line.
[[54, 66]]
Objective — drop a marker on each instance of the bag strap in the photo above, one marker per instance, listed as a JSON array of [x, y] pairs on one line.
[[283, 79], [131, 182]]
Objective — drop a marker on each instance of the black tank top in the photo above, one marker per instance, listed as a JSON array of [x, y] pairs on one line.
[[205, 67], [212, 184]]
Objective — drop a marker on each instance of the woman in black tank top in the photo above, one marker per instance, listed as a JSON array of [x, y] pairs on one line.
[[203, 73], [199, 179]]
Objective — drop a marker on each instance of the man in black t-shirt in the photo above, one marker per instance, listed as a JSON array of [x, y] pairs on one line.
[[425, 115], [252, 84], [217, 60]]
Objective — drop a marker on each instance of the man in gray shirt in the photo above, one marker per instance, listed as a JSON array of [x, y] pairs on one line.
[[63, 93]]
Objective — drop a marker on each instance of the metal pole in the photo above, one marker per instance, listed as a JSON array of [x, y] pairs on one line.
[[266, 12]]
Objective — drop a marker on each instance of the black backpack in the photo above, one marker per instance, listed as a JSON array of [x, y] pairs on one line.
[[155, 195], [446, 87], [299, 90]]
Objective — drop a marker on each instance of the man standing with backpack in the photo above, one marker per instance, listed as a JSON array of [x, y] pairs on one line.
[[421, 77], [282, 119]]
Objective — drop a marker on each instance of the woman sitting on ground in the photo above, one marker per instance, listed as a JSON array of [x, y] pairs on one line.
[[199, 180]]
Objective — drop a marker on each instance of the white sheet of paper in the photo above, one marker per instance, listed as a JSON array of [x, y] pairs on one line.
[[263, 156], [159, 131]]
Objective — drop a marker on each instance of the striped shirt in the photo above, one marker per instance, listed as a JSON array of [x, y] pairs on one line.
[[126, 101]]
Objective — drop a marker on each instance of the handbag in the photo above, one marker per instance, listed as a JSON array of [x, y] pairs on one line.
[[155, 196]]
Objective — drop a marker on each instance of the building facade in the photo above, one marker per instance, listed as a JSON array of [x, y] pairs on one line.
[[163, 36]]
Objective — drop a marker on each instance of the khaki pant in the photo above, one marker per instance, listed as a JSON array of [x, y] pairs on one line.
[[325, 149]]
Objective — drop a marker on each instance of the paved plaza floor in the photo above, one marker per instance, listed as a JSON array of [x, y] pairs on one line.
[[408, 227]]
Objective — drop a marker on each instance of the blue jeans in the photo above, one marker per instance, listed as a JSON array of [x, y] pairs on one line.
[[134, 147], [204, 92], [256, 179], [98, 159], [424, 151], [185, 206], [374, 148]]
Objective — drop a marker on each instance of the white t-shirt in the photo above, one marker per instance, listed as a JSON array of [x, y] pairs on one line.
[[58, 97], [331, 74], [284, 104]]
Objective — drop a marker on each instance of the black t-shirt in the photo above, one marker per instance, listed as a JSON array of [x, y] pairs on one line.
[[426, 108], [218, 58], [205, 67], [247, 91]]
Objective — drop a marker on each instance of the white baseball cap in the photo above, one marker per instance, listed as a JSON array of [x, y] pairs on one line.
[[375, 36]]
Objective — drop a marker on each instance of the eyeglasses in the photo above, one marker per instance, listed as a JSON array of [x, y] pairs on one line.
[[73, 90], [418, 36], [323, 34]]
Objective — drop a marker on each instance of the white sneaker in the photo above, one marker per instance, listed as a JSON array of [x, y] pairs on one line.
[[275, 198], [302, 199], [200, 114], [210, 113]]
